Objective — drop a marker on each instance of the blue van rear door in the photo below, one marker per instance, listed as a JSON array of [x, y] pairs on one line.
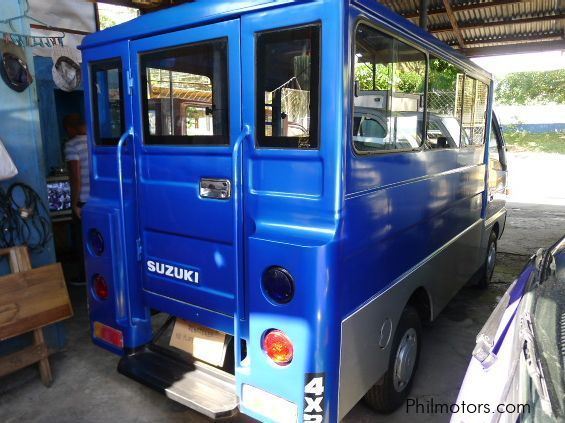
[[186, 122]]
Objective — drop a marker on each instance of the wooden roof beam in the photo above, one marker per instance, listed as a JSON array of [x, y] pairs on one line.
[[454, 24]]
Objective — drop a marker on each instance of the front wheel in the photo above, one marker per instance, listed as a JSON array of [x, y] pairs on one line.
[[391, 391], [490, 261]]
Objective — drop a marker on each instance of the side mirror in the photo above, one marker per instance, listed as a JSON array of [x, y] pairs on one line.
[[356, 88]]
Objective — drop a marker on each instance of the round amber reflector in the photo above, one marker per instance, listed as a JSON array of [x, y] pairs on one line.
[[278, 347]]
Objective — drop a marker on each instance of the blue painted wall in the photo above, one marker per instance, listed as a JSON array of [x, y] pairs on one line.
[[20, 132]]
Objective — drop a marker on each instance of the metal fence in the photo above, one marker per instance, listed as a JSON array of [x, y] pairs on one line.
[[441, 102]]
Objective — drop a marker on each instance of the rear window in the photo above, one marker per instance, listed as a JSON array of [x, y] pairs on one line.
[[107, 95], [185, 95], [288, 79]]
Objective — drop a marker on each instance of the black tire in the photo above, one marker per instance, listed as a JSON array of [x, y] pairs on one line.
[[383, 397], [486, 270]]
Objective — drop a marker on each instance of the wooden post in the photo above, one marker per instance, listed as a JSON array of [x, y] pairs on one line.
[[44, 366]]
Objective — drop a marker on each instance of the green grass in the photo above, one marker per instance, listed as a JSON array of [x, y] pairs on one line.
[[548, 142]]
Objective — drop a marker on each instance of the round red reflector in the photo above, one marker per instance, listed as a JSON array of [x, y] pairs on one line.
[[278, 347], [100, 287]]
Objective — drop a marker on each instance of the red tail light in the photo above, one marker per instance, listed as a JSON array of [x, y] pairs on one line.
[[278, 347], [100, 286]]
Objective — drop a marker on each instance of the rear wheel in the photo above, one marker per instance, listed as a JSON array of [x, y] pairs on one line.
[[391, 391], [490, 261]]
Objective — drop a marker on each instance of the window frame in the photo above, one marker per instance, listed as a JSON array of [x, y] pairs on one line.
[[264, 142], [476, 79], [497, 134], [366, 21], [106, 65], [181, 140]]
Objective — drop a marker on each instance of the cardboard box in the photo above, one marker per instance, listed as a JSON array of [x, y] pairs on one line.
[[201, 342]]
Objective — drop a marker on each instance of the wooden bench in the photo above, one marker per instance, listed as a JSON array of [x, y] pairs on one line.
[[30, 299]]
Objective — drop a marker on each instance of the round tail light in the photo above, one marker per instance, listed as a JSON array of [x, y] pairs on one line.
[[278, 285], [100, 286], [96, 242], [278, 347]]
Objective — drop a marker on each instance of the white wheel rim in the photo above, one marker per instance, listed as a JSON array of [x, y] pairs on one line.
[[405, 359]]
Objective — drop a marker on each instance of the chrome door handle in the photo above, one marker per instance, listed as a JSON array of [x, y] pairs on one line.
[[219, 189]]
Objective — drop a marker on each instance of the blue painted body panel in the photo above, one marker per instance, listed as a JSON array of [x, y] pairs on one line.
[[344, 226], [175, 224]]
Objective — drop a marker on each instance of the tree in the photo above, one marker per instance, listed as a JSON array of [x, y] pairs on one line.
[[106, 21], [364, 74], [408, 76], [443, 75], [532, 88]]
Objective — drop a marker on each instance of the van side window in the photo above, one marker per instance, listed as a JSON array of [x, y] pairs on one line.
[[390, 78], [108, 107], [475, 98], [185, 95], [444, 103], [288, 79]]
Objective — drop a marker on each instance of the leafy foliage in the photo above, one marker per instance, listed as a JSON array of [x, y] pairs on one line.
[[105, 21], [409, 76], [364, 74], [443, 75], [410, 81], [532, 88]]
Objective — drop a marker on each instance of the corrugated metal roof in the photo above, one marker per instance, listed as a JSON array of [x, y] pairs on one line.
[[492, 27], [485, 26]]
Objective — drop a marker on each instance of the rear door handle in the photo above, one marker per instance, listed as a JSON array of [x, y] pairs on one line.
[[219, 189]]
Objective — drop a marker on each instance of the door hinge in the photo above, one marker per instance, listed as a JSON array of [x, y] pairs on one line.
[[130, 82], [139, 247]]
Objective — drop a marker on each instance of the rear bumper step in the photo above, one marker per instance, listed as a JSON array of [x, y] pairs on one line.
[[203, 388]]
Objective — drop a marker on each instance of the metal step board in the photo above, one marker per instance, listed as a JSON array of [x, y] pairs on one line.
[[201, 387]]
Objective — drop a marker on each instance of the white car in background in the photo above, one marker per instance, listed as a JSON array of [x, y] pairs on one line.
[[517, 372], [371, 130]]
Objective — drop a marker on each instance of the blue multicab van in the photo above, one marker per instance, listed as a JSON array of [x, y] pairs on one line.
[[306, 181]]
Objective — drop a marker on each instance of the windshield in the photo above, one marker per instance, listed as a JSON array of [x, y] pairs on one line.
[[548, 313]]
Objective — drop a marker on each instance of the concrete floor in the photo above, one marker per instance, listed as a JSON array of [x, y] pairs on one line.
[[87, 387]]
